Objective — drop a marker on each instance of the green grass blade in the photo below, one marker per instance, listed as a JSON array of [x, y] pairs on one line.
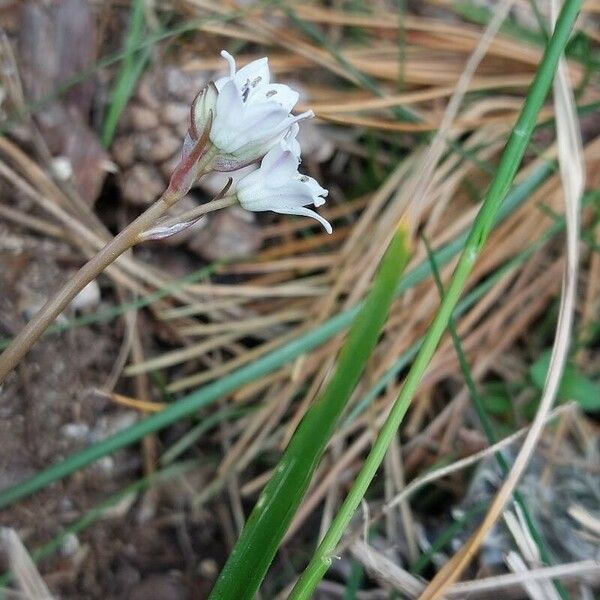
[[357, 574], [465, 304], [488, 429], [249, 560], [507, 168], [192, 437], [131, 69]]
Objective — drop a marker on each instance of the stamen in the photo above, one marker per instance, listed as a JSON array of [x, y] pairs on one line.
[[230, 61], [309, 114]]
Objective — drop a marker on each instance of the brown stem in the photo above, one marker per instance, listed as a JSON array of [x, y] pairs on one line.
[[125, 240], [22, 343]]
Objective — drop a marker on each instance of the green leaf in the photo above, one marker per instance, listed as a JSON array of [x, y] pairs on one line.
[[131, 70], [277, 505], [496, 400], [482, 226], [574, 385]]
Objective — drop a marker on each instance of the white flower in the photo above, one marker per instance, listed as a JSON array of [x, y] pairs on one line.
[[278, 186], [248, 115]]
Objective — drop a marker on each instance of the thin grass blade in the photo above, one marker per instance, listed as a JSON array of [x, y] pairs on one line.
[[131, 69]]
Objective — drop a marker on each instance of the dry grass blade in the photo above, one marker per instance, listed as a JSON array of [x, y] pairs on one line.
[[533, 588], [423, 178], [26, 574], [463, 463], [138, 404], [388, 572], [363, 68]]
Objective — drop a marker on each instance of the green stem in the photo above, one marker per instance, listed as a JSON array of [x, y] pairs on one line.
[[488, 429], [509, 163]]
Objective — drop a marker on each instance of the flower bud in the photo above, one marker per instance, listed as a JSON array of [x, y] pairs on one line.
[[203, 110]]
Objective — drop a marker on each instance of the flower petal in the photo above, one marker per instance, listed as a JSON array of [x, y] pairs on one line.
[[275, 92], [229, 107], [279, 165], [306, 212], [294, 193], [290, 140], [260, 144], [317, 192], [255, 74], [262, 118], [254, 194], [229, 115]]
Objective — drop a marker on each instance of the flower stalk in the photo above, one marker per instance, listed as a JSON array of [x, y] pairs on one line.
[[125, 240]]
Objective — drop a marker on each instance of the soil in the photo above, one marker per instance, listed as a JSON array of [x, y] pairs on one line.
[[147, 547]]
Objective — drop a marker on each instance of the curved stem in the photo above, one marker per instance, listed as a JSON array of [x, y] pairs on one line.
[[125, 240], [192, 215], [23, 342]]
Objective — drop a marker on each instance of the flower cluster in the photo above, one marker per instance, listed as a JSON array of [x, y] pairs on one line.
[[243, 119]]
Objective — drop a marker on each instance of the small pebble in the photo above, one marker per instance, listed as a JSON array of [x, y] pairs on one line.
[[62, 168], [75, 431], [88, 297], [70, 545]]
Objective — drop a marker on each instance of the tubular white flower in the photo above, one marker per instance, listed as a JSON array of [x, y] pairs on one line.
[[278, 186], [248, 114]]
